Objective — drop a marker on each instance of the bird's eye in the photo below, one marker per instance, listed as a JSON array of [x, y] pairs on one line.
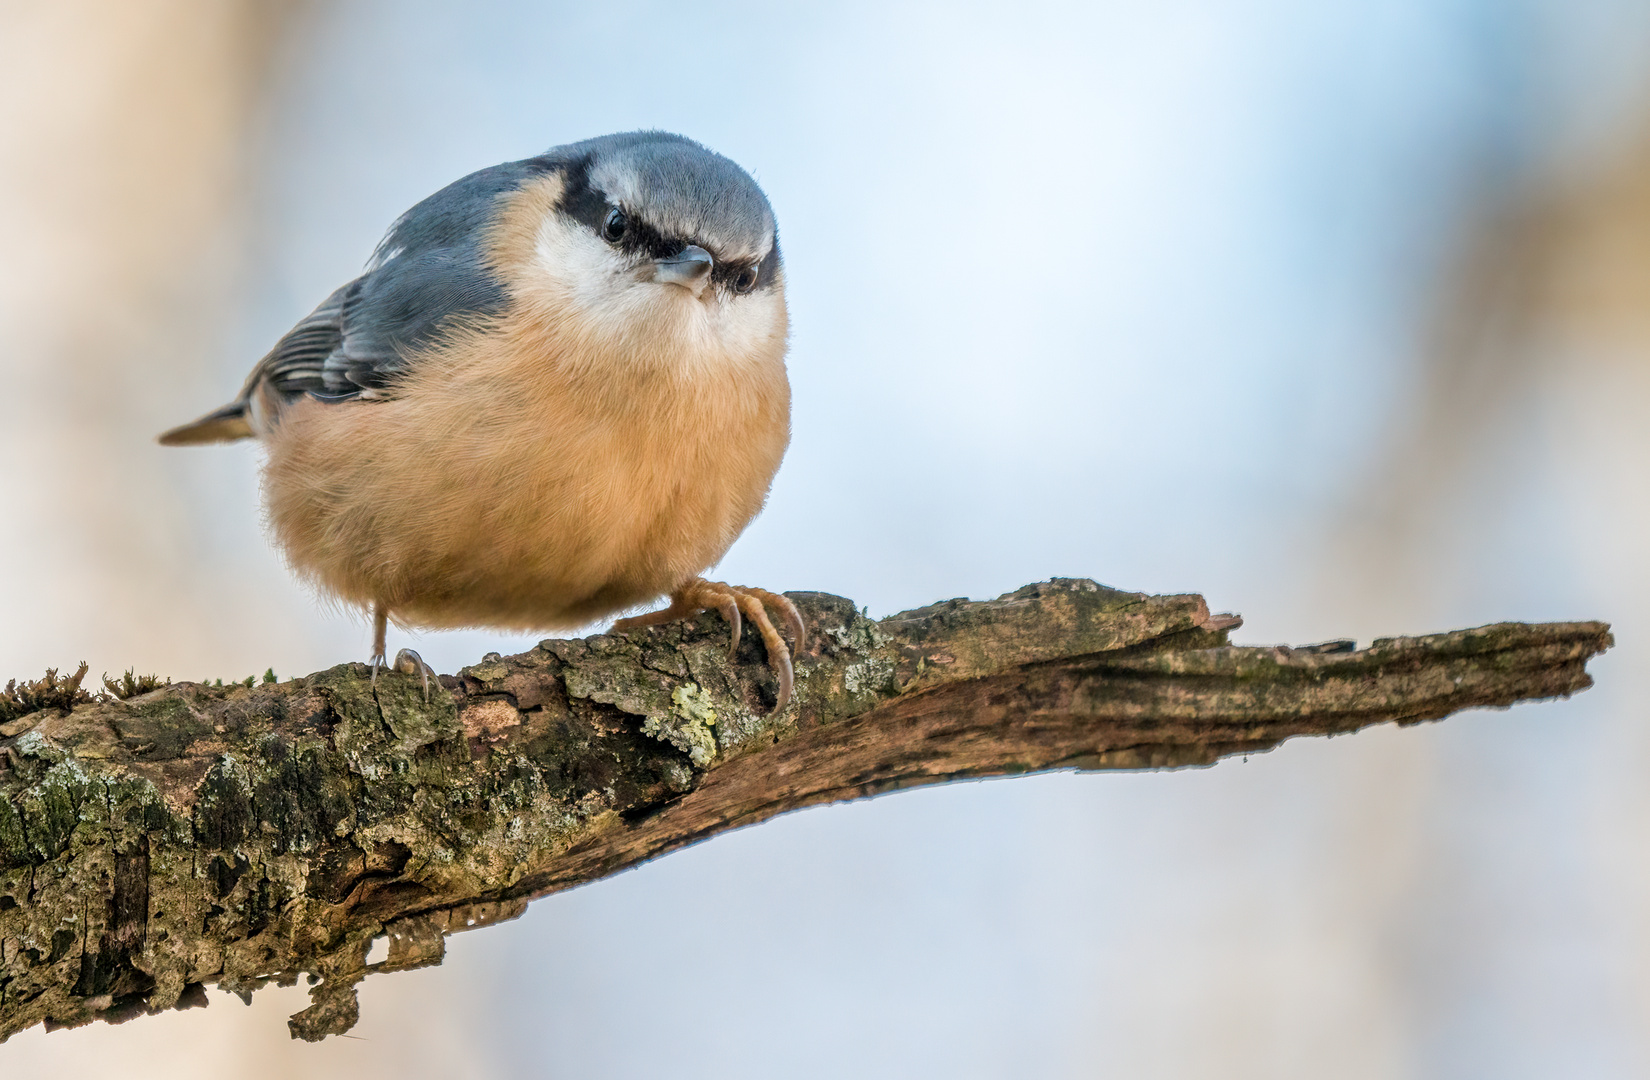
[[746, 281], [613, 228]]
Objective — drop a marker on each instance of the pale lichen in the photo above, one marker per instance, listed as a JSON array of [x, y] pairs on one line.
[[860, 635], [689, 725], [489, 669], [874, 674]]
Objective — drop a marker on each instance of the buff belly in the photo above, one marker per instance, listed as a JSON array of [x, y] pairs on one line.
[[453, 512]]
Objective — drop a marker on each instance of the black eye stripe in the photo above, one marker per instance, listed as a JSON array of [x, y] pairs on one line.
[[579, 200], [769, 268], [588, 206], [642, 237]]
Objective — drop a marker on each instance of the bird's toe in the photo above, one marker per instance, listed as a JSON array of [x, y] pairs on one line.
[[737, 605], [408, 662]]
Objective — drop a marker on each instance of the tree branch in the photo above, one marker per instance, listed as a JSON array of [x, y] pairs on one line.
[[239, 836]]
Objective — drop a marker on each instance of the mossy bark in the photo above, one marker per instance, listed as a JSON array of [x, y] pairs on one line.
[[240, 836]]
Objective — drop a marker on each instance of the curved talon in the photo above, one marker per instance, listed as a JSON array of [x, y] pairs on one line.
[[377, 662], [793, 617], [728, 605], [408, 662], [736, 604], [787, 677], [779, 656]]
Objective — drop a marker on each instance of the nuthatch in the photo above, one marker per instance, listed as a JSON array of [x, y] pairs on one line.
[[558, 391]]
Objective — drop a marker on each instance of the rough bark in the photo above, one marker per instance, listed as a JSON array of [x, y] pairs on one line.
[[239, 836]]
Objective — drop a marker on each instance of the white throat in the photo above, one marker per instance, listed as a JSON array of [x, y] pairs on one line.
[[612, 307]]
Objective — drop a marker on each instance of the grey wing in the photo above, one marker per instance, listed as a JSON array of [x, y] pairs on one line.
[[302, 362], [364, 335], [298, 363], [429, 274], [325, 356], [429, 271]]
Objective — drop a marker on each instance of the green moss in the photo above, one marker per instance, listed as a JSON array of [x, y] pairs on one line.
[[413, 722], [301, 795], [53, 691], [223, 805], [130, 685], [162, 727], [13, 847], [486, 671], [50, 810]]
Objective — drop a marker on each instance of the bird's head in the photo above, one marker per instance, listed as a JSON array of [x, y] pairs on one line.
[[649, 245]]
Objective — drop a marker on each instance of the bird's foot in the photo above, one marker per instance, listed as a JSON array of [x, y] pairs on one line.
[[408, 662], [737, 603]]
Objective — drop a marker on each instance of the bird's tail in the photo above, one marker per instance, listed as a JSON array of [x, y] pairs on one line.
[[220, 425]]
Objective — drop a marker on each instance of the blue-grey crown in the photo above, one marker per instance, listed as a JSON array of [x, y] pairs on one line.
[[678, 187]]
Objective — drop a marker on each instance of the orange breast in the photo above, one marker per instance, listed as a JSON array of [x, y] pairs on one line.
[[513, 483]]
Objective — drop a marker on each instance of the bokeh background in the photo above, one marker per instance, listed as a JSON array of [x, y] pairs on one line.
[[1337, 313]]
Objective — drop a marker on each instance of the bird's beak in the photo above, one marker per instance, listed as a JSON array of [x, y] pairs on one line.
[[691, 269]]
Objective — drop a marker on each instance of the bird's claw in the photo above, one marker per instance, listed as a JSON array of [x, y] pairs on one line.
[[408, 662], [737, 603]]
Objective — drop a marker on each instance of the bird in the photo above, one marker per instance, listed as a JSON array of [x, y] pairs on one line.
[[557, 392]]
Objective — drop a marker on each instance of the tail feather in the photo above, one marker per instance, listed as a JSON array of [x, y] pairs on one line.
[[221, 425]]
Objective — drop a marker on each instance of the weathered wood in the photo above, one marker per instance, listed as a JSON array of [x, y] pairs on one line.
[[239, 836]]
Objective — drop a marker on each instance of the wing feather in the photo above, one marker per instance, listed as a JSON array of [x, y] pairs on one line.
[[428, 272]]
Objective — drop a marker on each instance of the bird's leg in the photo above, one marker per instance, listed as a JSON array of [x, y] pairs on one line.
[[380, 624], [732, 600], [407, 662]]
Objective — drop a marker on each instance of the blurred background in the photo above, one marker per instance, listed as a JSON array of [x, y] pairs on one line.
[[1336, 313]]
